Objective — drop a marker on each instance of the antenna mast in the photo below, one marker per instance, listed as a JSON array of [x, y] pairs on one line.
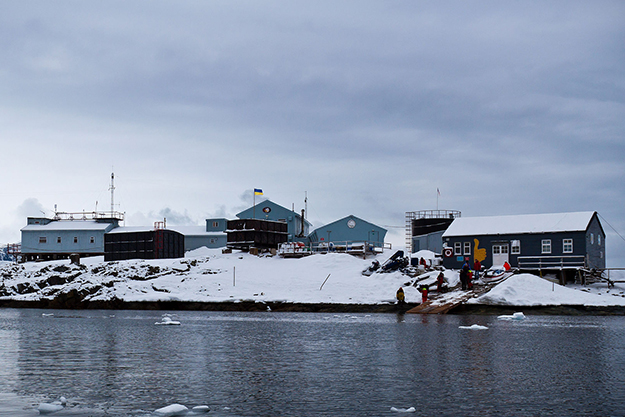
[[112, 189]]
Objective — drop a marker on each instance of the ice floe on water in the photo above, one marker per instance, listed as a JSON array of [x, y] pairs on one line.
[[167, 320], [474, 327], [53, 407], [181, 410], [516, 316], [404, 410]]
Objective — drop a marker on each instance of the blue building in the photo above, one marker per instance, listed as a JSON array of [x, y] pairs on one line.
[[348, 231], [65, 234], [212, 235], [533, 241], [298, 226]]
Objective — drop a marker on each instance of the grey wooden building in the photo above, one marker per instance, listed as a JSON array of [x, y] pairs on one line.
[[553, 241], [348, 232], [67, 233], [212, 235], [297, 225]]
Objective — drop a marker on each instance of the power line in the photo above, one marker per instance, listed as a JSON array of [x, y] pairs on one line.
[[608, 223]]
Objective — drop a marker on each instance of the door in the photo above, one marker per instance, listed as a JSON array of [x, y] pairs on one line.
[[500, 254]]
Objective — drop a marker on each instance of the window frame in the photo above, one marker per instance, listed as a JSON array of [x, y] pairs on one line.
[[466, 248], [567, 245], [457, 248], [545, 246], [515, 247], [75, 239], [43, 239]]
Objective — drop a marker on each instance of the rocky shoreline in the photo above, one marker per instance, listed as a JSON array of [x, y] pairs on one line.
[[73, 303]]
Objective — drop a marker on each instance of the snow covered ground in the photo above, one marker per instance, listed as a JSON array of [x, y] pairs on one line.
[[207, 275]]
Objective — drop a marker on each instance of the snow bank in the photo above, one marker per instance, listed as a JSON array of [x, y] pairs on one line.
[[530, 290], [207, 275]]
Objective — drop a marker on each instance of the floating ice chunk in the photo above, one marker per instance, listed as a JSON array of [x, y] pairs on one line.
[[168, 320], [53, 407], [200, 409], [47, 314], [404, 410], [516, 316], [172, 410], [474, 327]]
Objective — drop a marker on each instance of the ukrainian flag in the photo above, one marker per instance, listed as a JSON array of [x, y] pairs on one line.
[[258, 191]]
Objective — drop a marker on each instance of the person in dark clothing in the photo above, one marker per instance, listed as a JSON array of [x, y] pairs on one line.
[[401, 297], [440, 282], [464, 275]]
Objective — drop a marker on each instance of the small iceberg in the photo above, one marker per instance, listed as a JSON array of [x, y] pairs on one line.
[[174, 410], [515, 316], [474, 327], [404, 410], [166, 320], [53, 407]]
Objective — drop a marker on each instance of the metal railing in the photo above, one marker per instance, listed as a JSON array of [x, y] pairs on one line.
[[426, 214], [348, 246], [551, 262], [89, 215]]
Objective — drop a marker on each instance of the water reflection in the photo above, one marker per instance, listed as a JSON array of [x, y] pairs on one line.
[[251, 364]]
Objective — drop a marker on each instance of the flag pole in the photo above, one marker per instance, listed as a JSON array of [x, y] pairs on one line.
[[437, 194], [254, 203]]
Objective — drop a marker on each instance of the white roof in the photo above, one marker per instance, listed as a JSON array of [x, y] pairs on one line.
[[525, 223], [69, 225]]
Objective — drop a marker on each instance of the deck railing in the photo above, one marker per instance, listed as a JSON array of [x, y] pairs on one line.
[[551, 262], [348, 246]]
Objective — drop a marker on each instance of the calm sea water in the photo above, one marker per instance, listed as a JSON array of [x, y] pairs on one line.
[[119, 363]]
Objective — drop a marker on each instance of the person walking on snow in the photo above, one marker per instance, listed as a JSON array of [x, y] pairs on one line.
[[477, 267], [440, 282], [464, 274], [424, 293]]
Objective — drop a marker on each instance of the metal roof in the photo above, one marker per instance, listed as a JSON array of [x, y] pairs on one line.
[[519, 224], [69, 225]]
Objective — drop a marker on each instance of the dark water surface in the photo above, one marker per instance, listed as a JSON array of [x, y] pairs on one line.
[[119, 363]]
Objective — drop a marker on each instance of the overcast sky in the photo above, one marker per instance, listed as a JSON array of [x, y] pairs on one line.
[[513, 107]]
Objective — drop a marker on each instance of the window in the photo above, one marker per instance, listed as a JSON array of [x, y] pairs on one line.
[[599, 240], [58, 239], [215, 224], [504, 249], [43, 239], [516, 247], [567, 245], [457, 248], [92, 239], [546, 245], [75, 239], [496, 249], [592, 238], [467, 248]]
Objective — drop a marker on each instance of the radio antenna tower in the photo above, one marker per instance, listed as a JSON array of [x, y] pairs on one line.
[[112, 189]]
